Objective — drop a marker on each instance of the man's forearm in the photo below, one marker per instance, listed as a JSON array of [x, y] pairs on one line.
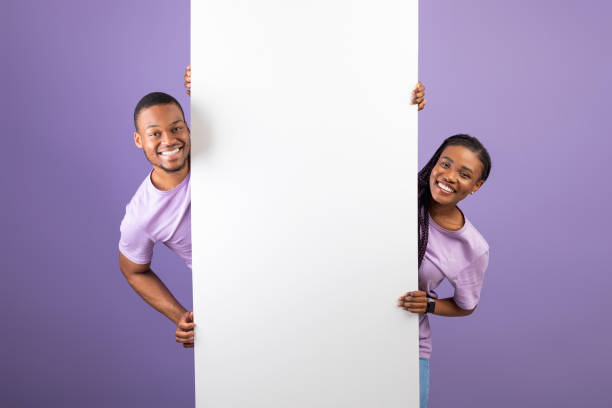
[[448, 307], [156, 294]]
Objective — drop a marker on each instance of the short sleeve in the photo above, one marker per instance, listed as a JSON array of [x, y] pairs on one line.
[[468, 282], [135, 243]]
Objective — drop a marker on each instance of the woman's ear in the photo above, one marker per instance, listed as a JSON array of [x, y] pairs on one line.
[[478, 184]]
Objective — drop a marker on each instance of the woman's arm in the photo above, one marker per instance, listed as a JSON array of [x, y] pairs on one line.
[[416, 302], [448, 307]]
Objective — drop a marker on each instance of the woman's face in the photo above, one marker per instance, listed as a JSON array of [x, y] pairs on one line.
[[455, 175]]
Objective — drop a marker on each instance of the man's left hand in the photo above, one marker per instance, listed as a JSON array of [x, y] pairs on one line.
[[185, 330]]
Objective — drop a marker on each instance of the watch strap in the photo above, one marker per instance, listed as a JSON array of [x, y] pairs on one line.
[[431, 305]]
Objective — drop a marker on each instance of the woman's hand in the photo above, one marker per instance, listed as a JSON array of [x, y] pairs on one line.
[[188, 80], [418, 95], [415, 302]]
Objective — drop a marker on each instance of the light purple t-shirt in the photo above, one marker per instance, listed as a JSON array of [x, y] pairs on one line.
[[460, 256], [154, 215]]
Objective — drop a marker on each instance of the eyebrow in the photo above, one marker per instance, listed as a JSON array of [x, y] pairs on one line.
[[173, 123], [463, 167]]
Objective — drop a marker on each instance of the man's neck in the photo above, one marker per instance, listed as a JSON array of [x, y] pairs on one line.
[[163, 180]]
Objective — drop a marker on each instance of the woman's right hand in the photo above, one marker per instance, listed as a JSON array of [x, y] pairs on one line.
[[415, 302]]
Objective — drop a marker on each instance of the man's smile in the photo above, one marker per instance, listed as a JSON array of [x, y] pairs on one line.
[[171, 154]]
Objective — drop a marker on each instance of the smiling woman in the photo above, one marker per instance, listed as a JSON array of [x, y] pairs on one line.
[[449, 245]]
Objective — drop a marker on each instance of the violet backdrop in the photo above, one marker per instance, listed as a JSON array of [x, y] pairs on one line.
[[531, 79]]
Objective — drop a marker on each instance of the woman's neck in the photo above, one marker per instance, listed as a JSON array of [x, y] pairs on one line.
[[448, 217]]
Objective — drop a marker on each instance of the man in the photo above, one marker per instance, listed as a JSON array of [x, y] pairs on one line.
[[160, 211]]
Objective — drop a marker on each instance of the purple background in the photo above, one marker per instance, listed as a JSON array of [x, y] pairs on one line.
[[530, 79]]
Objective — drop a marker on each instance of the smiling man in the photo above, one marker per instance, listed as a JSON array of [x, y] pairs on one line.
[[160, 210]]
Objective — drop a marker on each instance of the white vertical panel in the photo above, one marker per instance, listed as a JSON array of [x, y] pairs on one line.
[[304, 167]]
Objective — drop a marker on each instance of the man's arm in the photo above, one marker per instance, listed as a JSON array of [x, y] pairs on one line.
[[148, 285]]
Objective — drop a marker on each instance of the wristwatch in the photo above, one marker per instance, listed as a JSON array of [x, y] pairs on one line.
[[431, 305]]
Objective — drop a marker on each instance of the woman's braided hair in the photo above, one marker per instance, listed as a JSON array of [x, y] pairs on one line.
[[424, 192]]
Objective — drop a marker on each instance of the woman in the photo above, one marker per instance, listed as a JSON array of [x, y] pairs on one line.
[[449, 245]]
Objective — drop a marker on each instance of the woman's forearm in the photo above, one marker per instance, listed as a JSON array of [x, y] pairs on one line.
[[448, 307]]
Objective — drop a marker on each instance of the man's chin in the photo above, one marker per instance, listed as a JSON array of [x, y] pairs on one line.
[[175, 169]]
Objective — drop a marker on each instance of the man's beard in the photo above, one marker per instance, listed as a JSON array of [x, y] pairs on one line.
[[181, 167]]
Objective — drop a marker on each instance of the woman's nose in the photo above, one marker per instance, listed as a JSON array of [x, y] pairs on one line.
[[450, 176]]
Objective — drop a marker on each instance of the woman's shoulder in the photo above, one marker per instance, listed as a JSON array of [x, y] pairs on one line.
[[477, 241]]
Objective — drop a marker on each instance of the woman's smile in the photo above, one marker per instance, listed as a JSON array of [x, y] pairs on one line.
[[445, 188]]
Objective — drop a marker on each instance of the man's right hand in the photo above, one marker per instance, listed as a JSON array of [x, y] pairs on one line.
[[188, 79], [185, 330]]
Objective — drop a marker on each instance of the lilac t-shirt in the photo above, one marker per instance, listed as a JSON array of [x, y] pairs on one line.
[[460, 256], [154, 215]]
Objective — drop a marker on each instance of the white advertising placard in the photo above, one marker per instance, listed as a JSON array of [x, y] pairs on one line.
[[304, 218]]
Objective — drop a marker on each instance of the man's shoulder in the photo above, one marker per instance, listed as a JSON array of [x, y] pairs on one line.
[[138, 202]]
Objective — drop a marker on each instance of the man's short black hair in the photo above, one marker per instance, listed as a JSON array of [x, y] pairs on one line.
[[152, 99]]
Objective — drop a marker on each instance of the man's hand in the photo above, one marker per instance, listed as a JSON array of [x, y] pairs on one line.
[[188, 79], [184, 330], [415, 302], [418, 94]]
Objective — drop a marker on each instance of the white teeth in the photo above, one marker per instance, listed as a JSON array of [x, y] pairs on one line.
[[446, 188], [170, 152]]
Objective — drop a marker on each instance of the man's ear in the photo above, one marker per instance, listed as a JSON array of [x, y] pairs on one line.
[[137, 140]]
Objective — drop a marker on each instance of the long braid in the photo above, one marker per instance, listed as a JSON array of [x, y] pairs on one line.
[[424, 200], [424, 193]]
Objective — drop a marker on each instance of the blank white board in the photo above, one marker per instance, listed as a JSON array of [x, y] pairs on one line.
[[304, 162]]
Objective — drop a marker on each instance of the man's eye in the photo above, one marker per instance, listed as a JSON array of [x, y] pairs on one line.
[[465, 175], [155, 134]]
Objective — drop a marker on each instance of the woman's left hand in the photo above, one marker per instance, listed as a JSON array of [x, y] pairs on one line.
[[415, 302], [418, 96]]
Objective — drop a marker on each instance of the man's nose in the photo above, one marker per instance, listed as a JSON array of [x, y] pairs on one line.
[[167, 137]]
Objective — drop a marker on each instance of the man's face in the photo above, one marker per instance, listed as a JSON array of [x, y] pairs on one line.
[[164, 136]]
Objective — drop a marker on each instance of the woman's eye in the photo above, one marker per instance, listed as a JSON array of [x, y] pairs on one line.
[[176, 129], [444, 164]]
